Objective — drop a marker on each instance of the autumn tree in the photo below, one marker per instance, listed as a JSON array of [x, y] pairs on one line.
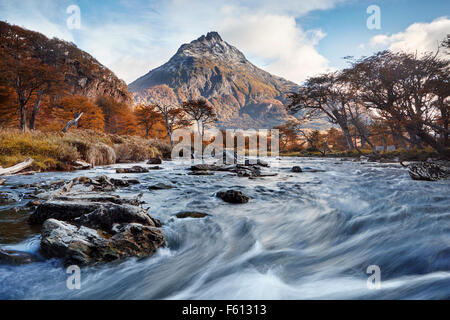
[[8, 108], [174, 118], [69, 106], [288, 134], [325, 95], [147, 117], [201, 112], [119, 118], [23, 72], [409, 90]]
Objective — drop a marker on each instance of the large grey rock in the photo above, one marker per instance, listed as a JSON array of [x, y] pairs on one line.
[[232, 196], [62, 210], [135, 169], [84, 246], [106, 216]]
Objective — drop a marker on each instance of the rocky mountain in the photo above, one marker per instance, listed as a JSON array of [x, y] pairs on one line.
[[84, 75], [243, 95]]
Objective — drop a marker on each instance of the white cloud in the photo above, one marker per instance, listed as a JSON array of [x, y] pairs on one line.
[[278, 43], [148, 34], [418, 37]]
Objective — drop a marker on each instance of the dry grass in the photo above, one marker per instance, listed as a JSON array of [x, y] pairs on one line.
[[57, 151]]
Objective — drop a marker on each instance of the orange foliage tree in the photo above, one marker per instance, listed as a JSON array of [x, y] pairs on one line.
[[119, 118], [147, 118], [68, 106]]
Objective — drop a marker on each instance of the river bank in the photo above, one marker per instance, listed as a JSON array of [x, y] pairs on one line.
[[55, 151]]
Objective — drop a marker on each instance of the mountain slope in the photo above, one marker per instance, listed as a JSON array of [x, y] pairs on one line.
[[243, 95], [84, 75]]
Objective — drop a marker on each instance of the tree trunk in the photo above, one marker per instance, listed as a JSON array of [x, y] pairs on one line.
[[23, 117], [425, 137], [73, 122], [36, 107], [347, 136]]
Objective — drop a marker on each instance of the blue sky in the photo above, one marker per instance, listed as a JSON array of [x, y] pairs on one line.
[[291, 38]]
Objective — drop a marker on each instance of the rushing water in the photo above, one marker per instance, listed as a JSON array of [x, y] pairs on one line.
[[308, 235]]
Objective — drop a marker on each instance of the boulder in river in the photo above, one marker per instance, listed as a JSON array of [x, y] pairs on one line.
[[232, 196], [16, 257], [84, 246], [297, 169], [258, 162], [8, 198], [191, 214], [61, 210], [160, 186], [154, 161], [135, 169], [205, 167]]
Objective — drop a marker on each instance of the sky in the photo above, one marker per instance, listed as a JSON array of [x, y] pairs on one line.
[[294, 39]]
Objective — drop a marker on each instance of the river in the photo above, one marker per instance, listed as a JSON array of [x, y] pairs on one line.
[[309, 235]]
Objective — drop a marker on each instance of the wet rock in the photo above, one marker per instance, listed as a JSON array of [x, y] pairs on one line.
[[189, 214], [232, 196], [363, 158], [61, 210], [160, 186], [154, 161], [16, 257], [205, 167], [201, 173], [258, 162], [2, 182], [106, 216], [98, 197], [8, 198], [81, 165], [135, 169], [33, 203], [429, 171], [296, 169], [120, 183], [84, 246], [155, 168]]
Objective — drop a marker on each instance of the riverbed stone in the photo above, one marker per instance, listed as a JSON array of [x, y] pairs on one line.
[[154, 161], [296, 169], [85, 246], [160, 186], [61, 210], [13, 257], [106, 216], [8, 198], [135, 169], [232, 196], [191, 214]]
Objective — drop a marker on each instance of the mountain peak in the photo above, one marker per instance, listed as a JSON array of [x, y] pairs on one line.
[[242, 95], [211, 36]]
